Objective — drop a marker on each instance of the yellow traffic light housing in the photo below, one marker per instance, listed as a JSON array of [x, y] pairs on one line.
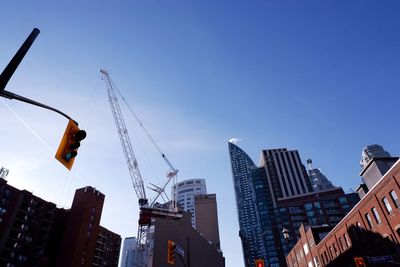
[[171, 252], [260, 263], [67, 150]]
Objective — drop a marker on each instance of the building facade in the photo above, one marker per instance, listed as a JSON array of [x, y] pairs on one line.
[[184, 192], [317, 179], [245, 174], [207, 218], [128, 252], [195, 249], [278, 195], [370, 152], [369, 232], [34, 232]]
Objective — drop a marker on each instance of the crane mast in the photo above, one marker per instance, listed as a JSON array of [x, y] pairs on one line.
[[130, 158], [145, 237]]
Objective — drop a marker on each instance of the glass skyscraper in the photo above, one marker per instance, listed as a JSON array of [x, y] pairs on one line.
[[247, 178]]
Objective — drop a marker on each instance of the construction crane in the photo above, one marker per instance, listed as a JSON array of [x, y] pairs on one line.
[[147, 212]]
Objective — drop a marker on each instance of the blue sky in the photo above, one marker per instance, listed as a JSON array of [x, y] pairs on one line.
[[318, 76]]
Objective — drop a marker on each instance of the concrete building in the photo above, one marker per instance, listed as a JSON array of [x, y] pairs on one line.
[[183, 193], [34, 232], [317, 179], [370, 152], [278, 195], [128, 252], [207, 218], [196, 250], [370, 231]]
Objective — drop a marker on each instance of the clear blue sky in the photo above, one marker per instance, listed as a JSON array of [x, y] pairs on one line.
[[318, 76]]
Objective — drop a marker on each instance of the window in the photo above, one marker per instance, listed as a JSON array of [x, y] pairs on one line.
[[305, 247], [398, 231], [331, 252], [376, 215], [342, 200], [335, 249], [341, 244], [316, 261], [395, 199], [368, 218], [346, 239], [387, 205]]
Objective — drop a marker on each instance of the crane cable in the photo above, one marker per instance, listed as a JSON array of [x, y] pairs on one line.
[[144, 129]]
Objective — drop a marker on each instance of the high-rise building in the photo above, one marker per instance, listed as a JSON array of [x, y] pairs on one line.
[[207, 218], [277, 196], [128, 252], [286, 172], [245, 174], [184, 192], [370, 152], [318, 180], [34, 232]]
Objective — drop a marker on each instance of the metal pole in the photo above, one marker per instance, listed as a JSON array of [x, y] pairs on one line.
[[11, 95], [14, 63], [188, 252]]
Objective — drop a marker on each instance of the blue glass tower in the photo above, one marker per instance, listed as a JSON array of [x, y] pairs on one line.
[[247, 178]]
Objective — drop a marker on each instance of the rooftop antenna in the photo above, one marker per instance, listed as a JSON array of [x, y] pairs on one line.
[[3, 172], [309, 163]]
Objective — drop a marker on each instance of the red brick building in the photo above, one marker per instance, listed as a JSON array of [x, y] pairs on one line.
[[369, 230], [35, 233]]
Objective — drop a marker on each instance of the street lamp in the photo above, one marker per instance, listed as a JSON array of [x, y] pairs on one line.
[[285, 233]]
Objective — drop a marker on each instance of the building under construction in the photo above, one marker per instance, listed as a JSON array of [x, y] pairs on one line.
[[158, 223]]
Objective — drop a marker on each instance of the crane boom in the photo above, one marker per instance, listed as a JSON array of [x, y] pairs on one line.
[[133, 167]]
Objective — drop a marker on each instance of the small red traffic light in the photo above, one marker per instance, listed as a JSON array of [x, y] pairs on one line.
[[359, 262], [260, 263]]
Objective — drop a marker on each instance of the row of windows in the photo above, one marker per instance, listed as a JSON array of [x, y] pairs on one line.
[[387, 206], [343, 241]]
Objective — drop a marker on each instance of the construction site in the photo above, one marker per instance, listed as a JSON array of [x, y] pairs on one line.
[[165, 234]]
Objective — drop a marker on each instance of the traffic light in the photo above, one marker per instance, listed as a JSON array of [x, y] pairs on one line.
[[359, 262], [171, 252], [260, 263], [67, 150]]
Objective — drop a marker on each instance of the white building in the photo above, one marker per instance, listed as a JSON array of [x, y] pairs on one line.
[[183, 193]]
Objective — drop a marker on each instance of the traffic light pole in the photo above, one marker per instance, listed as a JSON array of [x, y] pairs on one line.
[[13, 65], [11, 95]]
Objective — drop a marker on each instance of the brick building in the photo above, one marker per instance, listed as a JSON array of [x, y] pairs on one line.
[[34, 232], [369, 230]]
